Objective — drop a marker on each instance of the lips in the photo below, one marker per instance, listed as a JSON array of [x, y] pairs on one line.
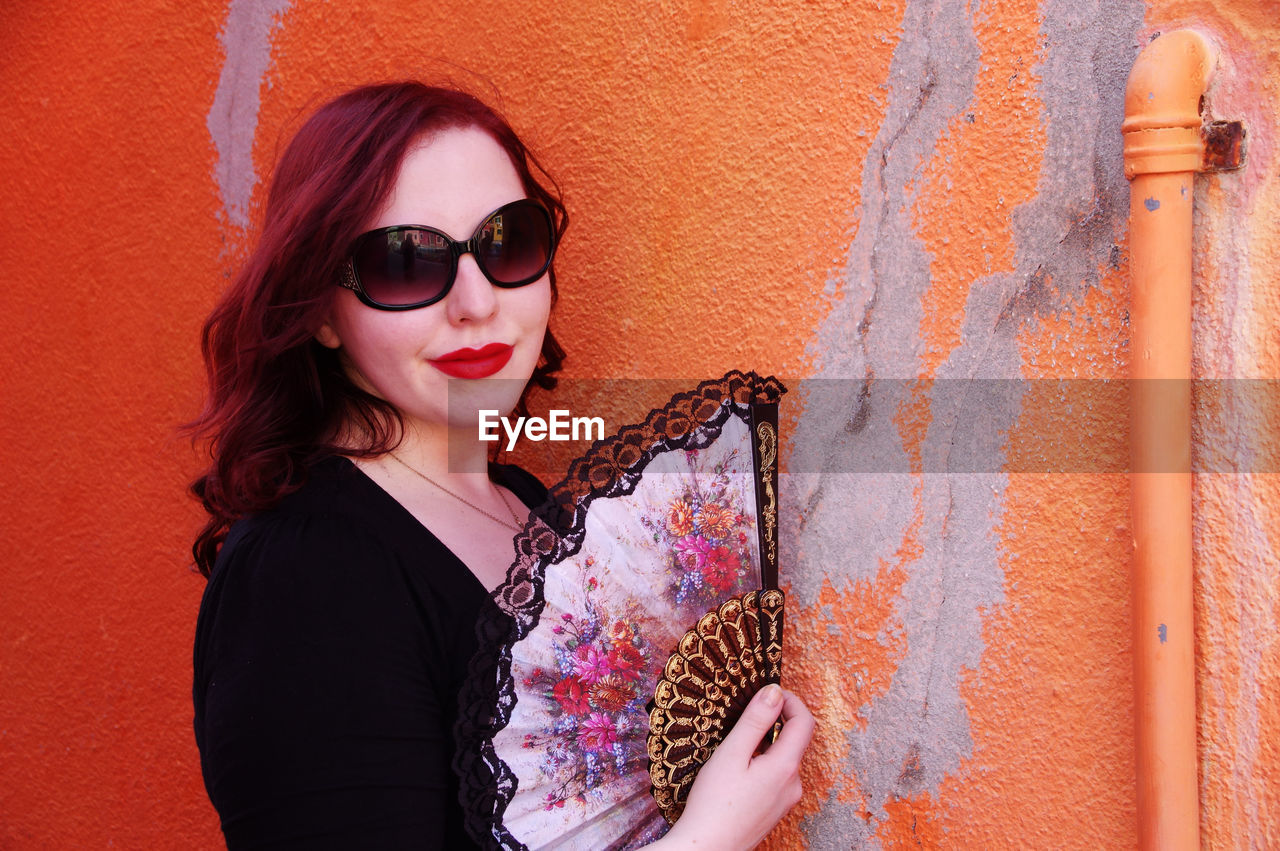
[[474, 363]]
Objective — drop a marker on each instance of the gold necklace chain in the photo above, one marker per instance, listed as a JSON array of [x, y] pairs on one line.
[[495, 518]]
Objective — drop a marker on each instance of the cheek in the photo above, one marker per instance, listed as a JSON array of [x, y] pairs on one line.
[[537, 309], [380, 343]]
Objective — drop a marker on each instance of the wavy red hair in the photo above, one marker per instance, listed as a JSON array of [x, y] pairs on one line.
[[277, 398]]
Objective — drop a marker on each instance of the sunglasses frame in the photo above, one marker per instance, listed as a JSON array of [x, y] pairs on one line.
[[457, 248]]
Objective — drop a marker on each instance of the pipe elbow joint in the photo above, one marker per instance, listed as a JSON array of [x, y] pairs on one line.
[[1162, 102]]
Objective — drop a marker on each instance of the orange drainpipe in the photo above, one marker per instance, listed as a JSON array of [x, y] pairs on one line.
[[1164, 145]]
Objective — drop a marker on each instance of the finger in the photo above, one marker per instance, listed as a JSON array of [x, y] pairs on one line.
[[796, 732], [793, 708], [756, 720]]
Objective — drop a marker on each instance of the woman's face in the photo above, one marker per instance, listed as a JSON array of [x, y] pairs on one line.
[[451, 181]]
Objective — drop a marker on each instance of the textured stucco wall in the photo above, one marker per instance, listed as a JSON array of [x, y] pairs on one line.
[[920, 189], [992, 174]]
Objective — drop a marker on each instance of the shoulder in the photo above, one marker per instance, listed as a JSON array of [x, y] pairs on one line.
[[326, 562], [318, 534], [338, 564], [338, 520], [288, 582]]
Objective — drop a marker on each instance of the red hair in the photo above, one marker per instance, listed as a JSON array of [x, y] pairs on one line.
[[277, 398]]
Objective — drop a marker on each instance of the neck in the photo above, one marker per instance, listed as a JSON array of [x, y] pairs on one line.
[[423, 477], [445, 453]]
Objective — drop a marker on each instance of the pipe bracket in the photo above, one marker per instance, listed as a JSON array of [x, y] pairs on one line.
[[1223, 146]]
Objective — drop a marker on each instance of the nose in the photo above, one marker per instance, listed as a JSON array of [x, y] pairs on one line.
[[473, 298]]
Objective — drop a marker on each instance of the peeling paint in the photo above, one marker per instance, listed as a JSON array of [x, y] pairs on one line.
[[921, 722], [233, 117], [918, 732]]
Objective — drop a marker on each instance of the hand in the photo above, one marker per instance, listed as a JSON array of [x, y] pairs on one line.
[[740, 795]]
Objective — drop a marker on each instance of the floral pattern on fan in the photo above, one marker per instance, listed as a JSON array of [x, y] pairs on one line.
[[605, 664], [591, 695], [706, 530]]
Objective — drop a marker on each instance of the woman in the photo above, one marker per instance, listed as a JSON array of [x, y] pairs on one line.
[[347, 554]]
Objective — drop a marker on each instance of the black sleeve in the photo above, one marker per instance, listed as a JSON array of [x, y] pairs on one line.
[[319, 720]]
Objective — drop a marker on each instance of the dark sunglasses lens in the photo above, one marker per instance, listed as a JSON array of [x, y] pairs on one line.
[[403, 266], [514, 245]]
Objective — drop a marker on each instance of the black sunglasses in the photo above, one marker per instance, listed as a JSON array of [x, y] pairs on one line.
[[409, 266]]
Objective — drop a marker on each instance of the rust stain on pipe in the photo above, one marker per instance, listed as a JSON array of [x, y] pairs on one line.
[[1163, 148]]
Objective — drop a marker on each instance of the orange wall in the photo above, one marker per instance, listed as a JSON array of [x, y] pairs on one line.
[[819, 190]]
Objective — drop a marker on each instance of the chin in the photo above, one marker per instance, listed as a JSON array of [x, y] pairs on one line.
[[466, 399]]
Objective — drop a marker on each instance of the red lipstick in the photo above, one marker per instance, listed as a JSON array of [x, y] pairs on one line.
[[474, 363]]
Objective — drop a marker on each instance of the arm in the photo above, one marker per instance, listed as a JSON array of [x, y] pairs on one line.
[[740, 795]]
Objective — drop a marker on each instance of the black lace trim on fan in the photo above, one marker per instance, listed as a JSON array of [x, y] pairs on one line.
[[611, 467]]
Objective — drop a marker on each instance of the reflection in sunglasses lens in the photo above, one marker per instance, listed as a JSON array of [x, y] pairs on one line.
[[515, 244], [412, 265], [406, 266]]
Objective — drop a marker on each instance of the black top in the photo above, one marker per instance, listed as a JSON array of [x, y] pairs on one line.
[[333, 637]]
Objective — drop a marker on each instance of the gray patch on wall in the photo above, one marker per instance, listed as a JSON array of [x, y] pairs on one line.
[[918, 732], [233, 118]]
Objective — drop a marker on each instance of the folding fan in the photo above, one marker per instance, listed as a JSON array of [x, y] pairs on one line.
[[640, 616]]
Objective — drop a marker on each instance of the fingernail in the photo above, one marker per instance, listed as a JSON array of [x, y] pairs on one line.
[[772, 695]]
